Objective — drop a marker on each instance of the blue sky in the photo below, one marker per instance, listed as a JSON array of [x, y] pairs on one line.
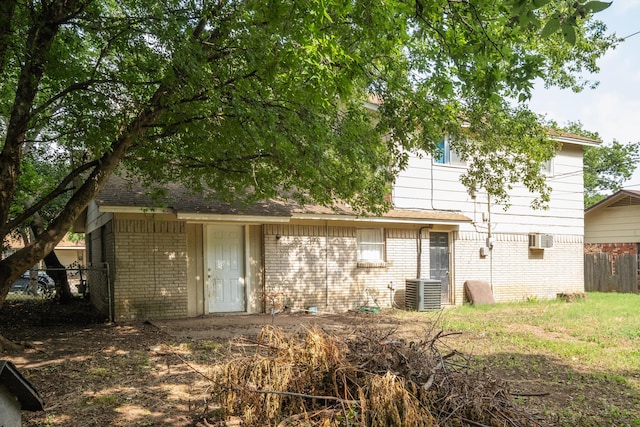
[[613, 108]]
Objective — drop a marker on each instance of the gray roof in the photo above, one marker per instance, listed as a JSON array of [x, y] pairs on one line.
[[121, 192], [18, 385]]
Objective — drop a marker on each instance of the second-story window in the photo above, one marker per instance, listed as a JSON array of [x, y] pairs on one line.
[[547, 167], [446, 155]]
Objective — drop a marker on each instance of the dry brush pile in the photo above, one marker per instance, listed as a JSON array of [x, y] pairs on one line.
[[369, 378]]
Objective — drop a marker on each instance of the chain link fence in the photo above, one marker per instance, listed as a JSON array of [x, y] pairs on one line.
[[91, 281], [99, 288]]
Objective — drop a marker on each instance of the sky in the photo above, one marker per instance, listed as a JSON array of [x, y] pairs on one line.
[[613, 108]]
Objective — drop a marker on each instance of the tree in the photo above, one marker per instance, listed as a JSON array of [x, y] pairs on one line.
[[606, 167], [251, 97]]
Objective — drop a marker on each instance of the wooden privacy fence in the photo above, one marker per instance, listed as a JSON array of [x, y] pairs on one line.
[[611, 273]]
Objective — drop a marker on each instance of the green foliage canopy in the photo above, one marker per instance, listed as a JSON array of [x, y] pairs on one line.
[[252, 98], [606, 167]]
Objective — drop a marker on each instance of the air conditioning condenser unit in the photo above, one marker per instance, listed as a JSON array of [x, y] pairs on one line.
[[423, 294]]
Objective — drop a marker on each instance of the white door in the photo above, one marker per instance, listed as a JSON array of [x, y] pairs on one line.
[[225, 268]]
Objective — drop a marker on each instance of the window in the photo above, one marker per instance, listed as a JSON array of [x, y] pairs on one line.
[[446, 155], [547, 167], [370, 245]]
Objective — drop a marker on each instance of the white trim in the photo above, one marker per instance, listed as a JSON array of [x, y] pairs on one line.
[[258, 219], [383, 220], [575, 141], [247, 268], [133, 209]]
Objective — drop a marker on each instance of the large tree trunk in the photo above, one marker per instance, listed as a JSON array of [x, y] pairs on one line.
[[55, 269], [95, 173], [58, 273]]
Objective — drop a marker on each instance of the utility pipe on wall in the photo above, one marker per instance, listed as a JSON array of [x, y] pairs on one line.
[[326, 264], [419, 250]]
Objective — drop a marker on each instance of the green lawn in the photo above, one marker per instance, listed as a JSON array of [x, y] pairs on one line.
[[584, 354]]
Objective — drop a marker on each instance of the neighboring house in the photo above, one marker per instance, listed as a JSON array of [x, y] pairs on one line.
[[612, 228], [613, 224], [70, 253], [196, 256]]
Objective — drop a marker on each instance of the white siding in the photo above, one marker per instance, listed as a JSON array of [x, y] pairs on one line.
[[426, 186], [95, 218], [437, 187], [514, 271]]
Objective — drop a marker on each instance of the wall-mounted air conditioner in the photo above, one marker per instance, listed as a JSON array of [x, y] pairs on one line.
[[540, 241]]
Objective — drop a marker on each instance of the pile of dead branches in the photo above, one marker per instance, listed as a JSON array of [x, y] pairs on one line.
[[369, 379]]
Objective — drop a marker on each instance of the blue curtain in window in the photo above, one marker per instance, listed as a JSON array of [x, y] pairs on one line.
[[442, 155]]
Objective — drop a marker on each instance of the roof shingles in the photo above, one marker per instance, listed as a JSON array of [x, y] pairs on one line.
[[129, 193]]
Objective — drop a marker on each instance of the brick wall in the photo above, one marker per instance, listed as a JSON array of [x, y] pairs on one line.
[[517, 272], [150, 272], [611, 248], [317, 266]]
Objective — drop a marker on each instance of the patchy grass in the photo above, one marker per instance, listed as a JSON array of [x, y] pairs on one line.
[[104, 400], [586, 353], [572, 363]]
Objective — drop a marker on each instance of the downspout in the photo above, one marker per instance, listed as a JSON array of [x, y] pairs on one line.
[[109, 298], [431, 189], [326, 264], [419, 250], [263, 269], [490, 241]]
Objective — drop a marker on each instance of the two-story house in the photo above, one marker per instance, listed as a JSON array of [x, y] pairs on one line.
[[196, 256]]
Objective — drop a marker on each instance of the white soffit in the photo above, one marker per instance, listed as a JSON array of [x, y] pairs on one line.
[[576, 141], [231, 218], [381, 220], [134, 209]]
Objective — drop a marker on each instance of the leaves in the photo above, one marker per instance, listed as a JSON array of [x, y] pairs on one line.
[[540, 3], [250, 99], [597, 6], [606, 167], [550, 27], [569, 33], [566, 21]]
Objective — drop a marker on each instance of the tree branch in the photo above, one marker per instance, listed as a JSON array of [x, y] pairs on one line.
[[307, 396], [7, 9], [39, 40], [59, 190]]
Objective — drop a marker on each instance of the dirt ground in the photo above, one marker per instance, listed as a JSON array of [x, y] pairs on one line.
[[91, 373]]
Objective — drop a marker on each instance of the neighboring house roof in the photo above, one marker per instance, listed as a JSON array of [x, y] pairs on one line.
[[128, 195], [620, 198], [20, 387]]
